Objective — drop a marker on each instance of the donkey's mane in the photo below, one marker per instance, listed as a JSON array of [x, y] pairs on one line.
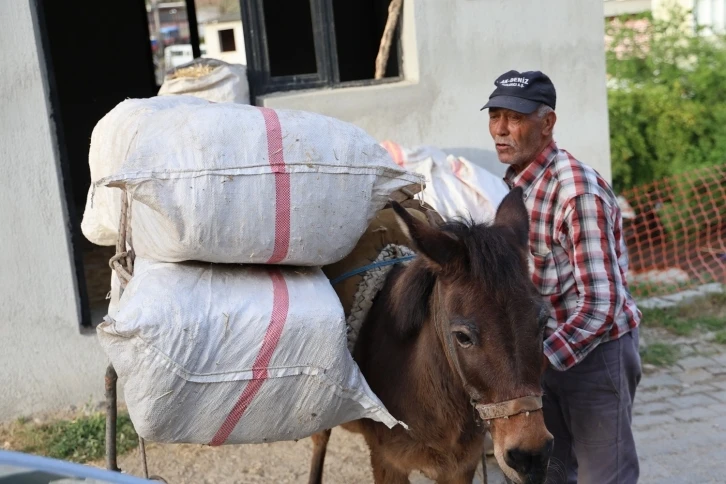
[[490, 258]]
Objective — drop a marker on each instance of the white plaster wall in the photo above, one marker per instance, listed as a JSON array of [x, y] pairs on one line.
[[45, 363], [453, 51], [214, 50]]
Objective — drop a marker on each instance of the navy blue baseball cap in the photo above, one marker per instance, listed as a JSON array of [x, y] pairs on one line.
[[522, 92]]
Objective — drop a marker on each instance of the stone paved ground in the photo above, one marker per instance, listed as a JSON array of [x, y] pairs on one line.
[[679, 421], [680, 418]]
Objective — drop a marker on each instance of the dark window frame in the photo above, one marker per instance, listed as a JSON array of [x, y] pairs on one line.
[[225, 43], [328, 75]]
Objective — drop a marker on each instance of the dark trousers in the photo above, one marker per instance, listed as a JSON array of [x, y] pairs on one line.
[[588, 410]]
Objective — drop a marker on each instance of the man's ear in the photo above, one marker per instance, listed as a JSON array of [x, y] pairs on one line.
[[548, 127], [438, 247], [512, 213]]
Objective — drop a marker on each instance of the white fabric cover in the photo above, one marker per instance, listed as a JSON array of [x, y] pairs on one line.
[[233, 183], [455, 187], [224, 354], [111, 141], [226, 83]]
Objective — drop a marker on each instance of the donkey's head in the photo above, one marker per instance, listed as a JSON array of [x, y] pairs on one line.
[[490, 321]]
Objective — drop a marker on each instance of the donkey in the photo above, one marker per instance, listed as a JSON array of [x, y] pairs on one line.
[[453, 347]]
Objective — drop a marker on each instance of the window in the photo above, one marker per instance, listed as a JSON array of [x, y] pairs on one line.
[[226, 40], [172, 25], [316, 43]]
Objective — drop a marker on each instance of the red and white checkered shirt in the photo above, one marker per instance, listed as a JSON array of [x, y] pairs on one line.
[[579, 257]]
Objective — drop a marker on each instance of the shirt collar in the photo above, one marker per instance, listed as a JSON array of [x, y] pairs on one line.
[[533, 170]]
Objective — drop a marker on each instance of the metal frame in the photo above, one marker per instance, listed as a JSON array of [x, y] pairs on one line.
[[193, 28], [328, 76]]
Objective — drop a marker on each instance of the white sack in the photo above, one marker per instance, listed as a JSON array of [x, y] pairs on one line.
[[111, 140], [226, 83], [229, 354], [232, 183], [455, 186], [114, 294]]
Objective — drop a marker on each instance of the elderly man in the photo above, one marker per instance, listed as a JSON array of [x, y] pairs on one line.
[[579, 264]]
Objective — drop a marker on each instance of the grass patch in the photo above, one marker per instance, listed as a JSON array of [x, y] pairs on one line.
[[704, 314], [659, 354], [720, 337], [78, 440], [649, 289]]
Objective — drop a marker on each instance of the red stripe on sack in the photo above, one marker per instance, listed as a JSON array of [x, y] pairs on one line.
[[394, 149], [282, 185], [280, 306], [456, 166]]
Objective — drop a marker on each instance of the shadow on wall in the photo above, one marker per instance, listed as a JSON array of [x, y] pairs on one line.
[[487, 159]]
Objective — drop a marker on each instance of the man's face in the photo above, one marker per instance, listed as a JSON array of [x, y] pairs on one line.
[[518, 137]]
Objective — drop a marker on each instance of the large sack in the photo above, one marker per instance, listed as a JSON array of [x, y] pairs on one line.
[[222, 354], [455, 187], [111, 141], [210, 79], [231, 183]]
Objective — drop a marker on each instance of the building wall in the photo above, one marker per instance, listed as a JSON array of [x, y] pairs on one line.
[[451, 58], [211, 40], [45, 362]]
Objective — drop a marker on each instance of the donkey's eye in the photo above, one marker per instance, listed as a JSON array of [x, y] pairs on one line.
[[463, 339]]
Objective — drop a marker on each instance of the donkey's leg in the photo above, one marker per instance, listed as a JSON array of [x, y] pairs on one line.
[[320, 447], [384, 473]]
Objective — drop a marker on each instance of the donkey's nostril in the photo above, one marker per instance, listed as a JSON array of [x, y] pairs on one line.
[[531, 464], [519, 461]]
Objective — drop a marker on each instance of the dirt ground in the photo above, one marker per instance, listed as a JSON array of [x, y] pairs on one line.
[[279, 463]]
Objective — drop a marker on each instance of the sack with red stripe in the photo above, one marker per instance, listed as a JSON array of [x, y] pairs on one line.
[[222, 354], [455, 187], [232, 183], [111, 140]]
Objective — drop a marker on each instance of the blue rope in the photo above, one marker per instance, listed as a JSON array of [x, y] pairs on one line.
[[367, 268]]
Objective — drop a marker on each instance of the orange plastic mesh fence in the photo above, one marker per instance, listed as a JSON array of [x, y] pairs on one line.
[[675, 230]]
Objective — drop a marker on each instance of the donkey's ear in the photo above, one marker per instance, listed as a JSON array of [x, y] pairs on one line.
[[512, 213], [436, 246]]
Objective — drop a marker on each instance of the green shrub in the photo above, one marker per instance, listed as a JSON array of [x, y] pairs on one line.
[[666, 100]]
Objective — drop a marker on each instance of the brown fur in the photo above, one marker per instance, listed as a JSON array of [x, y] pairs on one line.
[[490, 302]]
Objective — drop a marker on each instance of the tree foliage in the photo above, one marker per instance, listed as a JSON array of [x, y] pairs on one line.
[[667, 97]]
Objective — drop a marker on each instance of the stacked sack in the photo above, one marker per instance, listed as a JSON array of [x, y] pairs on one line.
[[210, 79], [226, 330], [455, 187]]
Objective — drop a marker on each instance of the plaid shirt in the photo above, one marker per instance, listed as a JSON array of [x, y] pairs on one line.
[[579, 258]]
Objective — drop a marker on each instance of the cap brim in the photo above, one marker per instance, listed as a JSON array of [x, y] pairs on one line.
[[524, 106]]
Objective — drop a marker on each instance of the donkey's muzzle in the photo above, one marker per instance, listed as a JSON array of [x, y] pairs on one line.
[[531, 466]]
